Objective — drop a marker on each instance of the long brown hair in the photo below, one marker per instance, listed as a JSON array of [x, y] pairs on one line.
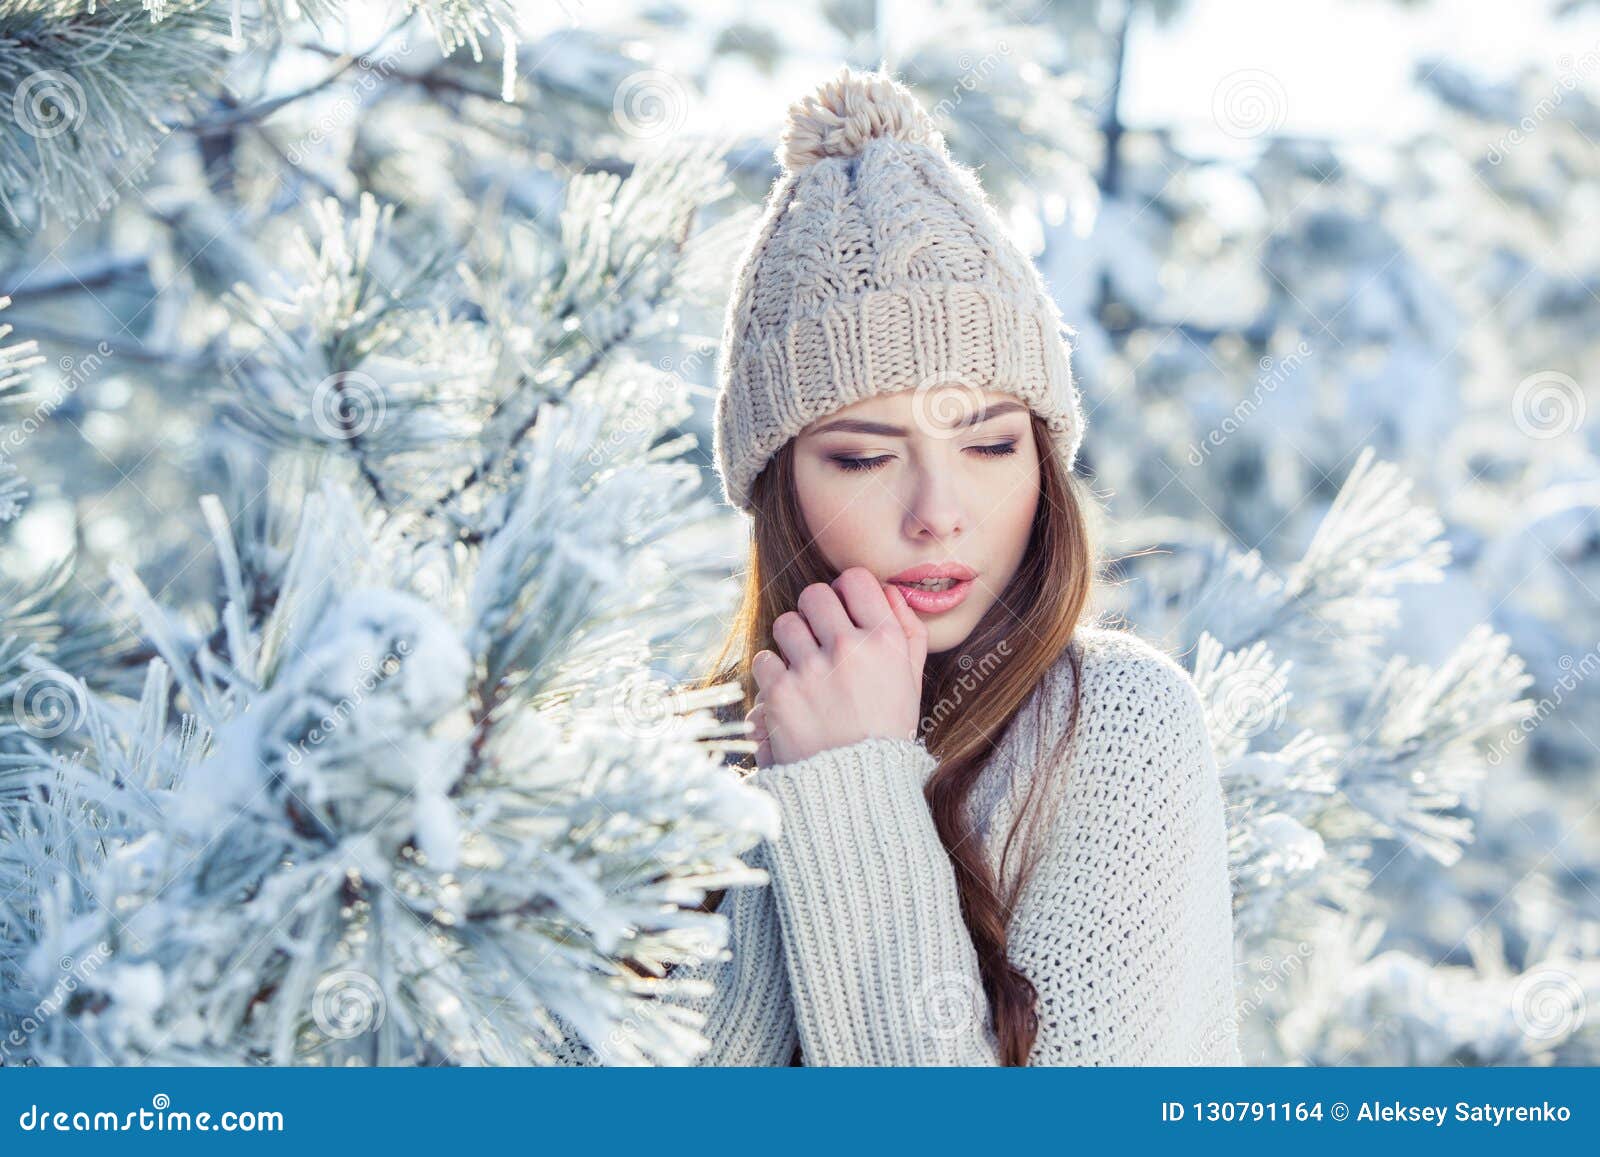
[[1012, 647]]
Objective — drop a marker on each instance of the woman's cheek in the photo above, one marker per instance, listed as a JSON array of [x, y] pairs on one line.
[[828, 510], [850, 527], [855, 528]]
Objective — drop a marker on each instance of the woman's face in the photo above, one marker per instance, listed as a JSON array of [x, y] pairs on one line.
[[942, 476]]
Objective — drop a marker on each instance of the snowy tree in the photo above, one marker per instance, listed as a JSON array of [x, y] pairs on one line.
[[417, 785]]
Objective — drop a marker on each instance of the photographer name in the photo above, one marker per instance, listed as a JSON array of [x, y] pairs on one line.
[[1463, 1111]]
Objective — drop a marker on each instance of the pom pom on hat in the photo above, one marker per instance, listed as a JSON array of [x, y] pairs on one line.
[[846, 112]]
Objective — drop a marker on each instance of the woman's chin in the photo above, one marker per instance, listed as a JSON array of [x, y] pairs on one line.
[[946, 636]]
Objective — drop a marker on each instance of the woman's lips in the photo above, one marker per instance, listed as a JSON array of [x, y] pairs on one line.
[[935, 602]]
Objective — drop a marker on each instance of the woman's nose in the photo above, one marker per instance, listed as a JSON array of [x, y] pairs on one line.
[[935, 507]]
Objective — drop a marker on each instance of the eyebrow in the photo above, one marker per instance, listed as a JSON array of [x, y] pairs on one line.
[[861, 426]]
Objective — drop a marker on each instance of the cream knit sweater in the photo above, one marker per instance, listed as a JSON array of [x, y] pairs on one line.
[[857, 950]]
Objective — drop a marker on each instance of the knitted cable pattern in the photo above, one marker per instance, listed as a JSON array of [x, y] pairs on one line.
[[879, 265], [857, 948]]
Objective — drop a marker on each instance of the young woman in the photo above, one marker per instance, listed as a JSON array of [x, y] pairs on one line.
[[1003, 836]]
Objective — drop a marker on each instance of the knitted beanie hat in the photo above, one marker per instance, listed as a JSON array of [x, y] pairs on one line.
[[879, 266]]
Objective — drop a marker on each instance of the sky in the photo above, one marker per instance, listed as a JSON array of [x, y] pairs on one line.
[[1345, 68], [1339, 68]]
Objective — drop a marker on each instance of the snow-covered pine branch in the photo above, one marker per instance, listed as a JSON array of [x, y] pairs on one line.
[[401, 795], [1321, 766], [86, 86]]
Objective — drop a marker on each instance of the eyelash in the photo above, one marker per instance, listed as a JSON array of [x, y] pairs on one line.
[[995, 450]]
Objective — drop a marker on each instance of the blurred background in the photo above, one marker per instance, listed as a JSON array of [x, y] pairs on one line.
[[1334, 272]]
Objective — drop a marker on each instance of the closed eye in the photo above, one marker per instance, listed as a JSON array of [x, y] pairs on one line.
[[996, 450], [861, 463], [993, 450]]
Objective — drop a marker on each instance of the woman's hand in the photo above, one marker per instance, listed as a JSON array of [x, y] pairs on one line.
[[851, 669]]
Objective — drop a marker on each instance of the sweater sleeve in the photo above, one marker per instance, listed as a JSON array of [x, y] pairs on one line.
[[876, 949], [749, 1018]]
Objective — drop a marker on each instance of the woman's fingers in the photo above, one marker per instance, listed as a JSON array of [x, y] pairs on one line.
[[824, 613], [916, 631], [757, 719], [794, 638], [862, 595], [764, 665]]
